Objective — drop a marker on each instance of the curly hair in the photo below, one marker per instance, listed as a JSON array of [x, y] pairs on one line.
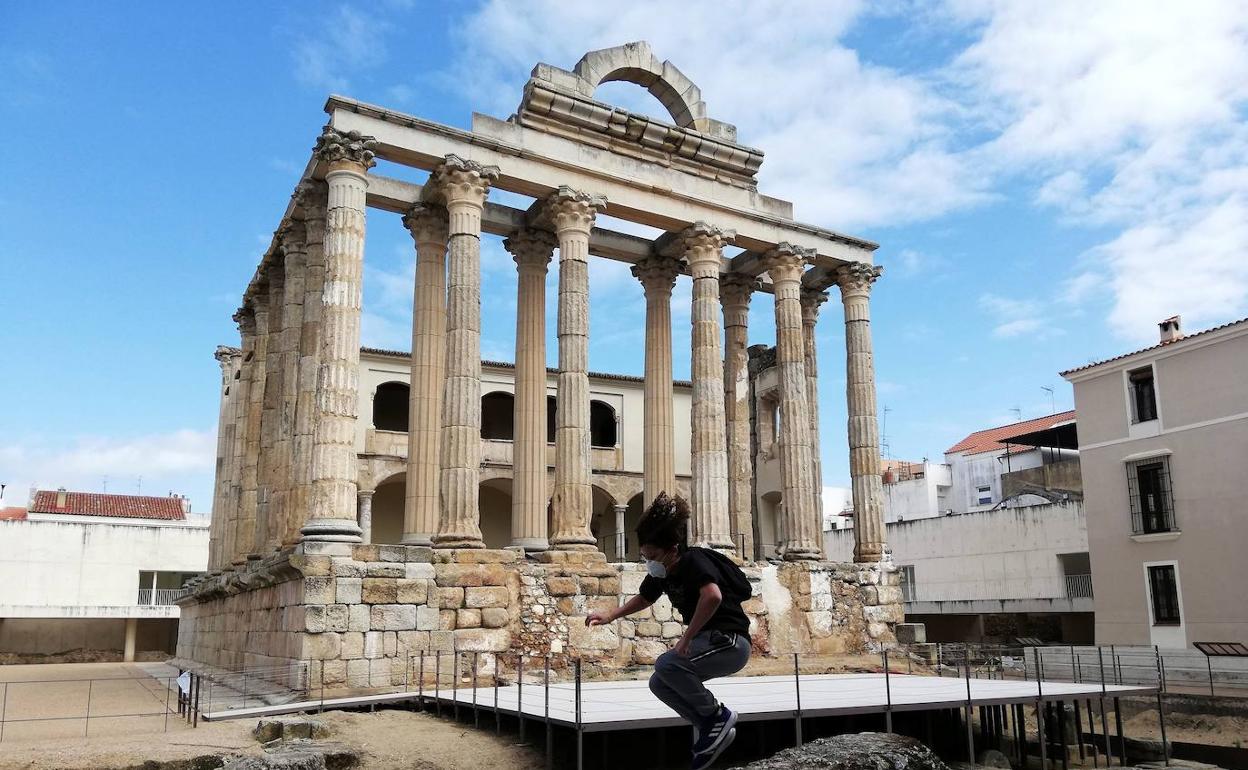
[[664, 523]]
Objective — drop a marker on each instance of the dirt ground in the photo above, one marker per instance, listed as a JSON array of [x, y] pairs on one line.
[[1190, 728]]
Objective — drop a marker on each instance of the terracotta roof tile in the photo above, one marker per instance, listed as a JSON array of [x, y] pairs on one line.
[[122, 506], [1184, 338], [994, 439], [12, 514]]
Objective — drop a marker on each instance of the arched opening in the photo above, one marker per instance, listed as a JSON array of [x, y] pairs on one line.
[[602, 426], [552, 407], [494, 505], [498, 416], [602, 521], [632, 550], [388, 503], [390, 406], [770, 532]]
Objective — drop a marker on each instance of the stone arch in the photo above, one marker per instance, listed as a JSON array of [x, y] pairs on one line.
[[603, 425], [388, 504], [494, 506], [636, 63]]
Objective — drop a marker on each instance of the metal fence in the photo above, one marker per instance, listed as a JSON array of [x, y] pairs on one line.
[[55, 708], [160, 596]]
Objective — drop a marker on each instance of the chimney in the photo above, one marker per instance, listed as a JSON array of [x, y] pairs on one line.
[[186, 503], [61, 497], [1171, 329]]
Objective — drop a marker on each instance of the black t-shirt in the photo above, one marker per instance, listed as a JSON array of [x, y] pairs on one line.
[[683, 585]]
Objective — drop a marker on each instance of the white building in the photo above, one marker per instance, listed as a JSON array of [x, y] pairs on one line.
[[96, 571], [993, 543]]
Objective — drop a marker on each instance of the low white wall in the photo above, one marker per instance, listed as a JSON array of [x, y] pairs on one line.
[[94, 563], [1010, 553]]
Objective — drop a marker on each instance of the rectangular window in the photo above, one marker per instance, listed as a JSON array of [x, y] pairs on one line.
[[1164, 587], [1152, 500], [984, 495], [1143, 395], [908, 592]]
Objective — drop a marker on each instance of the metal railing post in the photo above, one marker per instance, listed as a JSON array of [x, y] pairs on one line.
[[437, 682], [1040, 712], [498, 723], [86, 727], [970, 717], [1122, 742], [546, 715], [1109, 755], [580, 748], [520, 693], [476, 715], [888, 696], [1209, 663], [420, 685], [797, 685]]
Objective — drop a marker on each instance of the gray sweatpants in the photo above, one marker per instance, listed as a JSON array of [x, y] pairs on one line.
[[677, 680]]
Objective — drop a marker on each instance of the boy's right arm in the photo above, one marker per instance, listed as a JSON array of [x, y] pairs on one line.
[[635, 604]]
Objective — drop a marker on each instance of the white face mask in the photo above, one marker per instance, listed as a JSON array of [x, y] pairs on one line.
[[656, 569]]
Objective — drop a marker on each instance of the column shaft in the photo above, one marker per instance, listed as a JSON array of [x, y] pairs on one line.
[[241, 399], [311, 199], [811, 300], [332, 513], [428, 226], [245, 531], [531, 250], [572, 502], [703, 250], [295, 269], [855, 279], [735, 290], [365, 507], [463, 186], [658, 276], [270, 415], [220, 491], [802, 530]]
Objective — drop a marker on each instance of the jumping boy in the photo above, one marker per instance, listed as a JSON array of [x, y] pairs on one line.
[[707, 589]]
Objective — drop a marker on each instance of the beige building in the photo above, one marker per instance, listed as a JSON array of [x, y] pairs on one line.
[[1163, 442]]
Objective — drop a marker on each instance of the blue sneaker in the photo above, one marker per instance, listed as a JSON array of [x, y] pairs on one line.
[[713, 736], [702, 761]]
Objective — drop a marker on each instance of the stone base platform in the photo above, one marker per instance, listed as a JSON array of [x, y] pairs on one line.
[[358, 613]]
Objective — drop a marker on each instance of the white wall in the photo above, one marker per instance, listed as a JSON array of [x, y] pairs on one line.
[[972, 471], [96, 563], [1010, 553], [919, 498]]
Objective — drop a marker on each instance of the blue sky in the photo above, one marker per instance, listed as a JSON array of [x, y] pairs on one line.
[[1046, 182]]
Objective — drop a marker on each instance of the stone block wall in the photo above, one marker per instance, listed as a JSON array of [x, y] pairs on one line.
[[361, 614]]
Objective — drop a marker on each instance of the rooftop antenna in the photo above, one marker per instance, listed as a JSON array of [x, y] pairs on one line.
[[1052, 400], [1018, 413], [888, 454], [140, 486], [106, 484]]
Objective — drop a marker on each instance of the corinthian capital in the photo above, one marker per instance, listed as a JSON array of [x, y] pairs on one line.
[[656, 273], [569, 209], [785, 262], [530, 247], [427, 224], [811, 299], [735, 289], [310, 197], [457, 180], [292, 236], [855, 278], [334, 146], [702, 245]]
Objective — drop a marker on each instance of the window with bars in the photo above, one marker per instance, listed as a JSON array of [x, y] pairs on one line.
[[909, 590], [1163, 585], [1152, 499], [1143, 395]]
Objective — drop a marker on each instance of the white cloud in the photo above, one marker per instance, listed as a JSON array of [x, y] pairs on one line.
[[1016, 317], [181, 461], [348, 41]]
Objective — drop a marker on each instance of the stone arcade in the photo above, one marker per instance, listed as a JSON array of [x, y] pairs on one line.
[[292, 578]]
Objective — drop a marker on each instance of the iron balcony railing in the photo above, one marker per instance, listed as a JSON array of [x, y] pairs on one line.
[[1079, 586], [160, 596]]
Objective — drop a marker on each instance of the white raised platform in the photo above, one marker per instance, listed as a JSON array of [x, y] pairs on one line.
[[607, 706]]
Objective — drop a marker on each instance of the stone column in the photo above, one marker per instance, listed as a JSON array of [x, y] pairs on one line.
[[428, 226], [246, 320], [735, 290], [621, 538], [270, 414], [462, 185], [658, 275], [227, 358], [245, 532], [311, 201], [572, 213], [365, 507], [531, 250], [331, 517], [702, 246], [802, 528], [294, 266], [811, 300], [132, 633], [854, 280]]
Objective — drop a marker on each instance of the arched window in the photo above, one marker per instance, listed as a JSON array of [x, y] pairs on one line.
[[390, 406], [602, 428], [498, 416], [552, 407]]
